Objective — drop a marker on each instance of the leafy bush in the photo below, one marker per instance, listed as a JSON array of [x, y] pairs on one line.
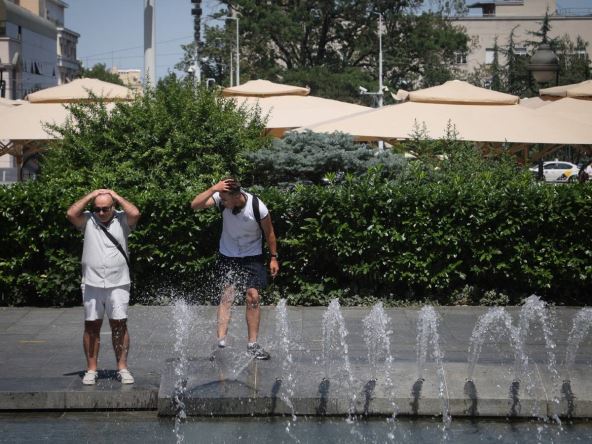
[[451, 227], [473, 222], [158, 151]]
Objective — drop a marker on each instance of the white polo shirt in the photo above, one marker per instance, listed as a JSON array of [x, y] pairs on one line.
[[241, 236], [103, 265]]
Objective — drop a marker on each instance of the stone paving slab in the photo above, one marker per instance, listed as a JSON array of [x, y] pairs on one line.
[[41, 364]]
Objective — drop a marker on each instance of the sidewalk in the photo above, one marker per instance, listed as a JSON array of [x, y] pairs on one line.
[[41, 365]]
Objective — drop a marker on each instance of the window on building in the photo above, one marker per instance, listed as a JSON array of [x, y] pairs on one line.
[[521, 52], [460, 57], [19, 33], [489, 10], [2, 28], [489, 53]]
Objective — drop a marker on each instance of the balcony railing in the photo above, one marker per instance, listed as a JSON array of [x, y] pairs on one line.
[[8, 175], [574, 12]]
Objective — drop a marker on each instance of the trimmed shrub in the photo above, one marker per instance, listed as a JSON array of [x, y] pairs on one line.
[[451, 227]]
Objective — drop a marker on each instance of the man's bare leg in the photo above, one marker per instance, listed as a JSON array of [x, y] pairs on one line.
[[253, 314], [121, 341], [91, 341], [224, 311]]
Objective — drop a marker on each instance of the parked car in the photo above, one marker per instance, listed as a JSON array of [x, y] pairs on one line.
[[557, 171]]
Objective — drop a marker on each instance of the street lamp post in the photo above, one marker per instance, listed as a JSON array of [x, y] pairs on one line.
[[237, 50], [380, 93], [196, 12], [380, 86]]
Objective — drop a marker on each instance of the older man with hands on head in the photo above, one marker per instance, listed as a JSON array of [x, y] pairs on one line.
[[105, 274]]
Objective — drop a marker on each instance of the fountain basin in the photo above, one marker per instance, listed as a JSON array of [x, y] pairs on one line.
[[213, 390]]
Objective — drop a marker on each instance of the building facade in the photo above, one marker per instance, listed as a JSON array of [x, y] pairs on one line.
[[132, 78], [36, 51], [488, 20]]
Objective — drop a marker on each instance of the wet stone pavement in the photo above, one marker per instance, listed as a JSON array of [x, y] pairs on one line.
[[176, 364]]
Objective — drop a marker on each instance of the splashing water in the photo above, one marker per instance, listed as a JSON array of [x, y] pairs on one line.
[[334, 334], [377, 337], [535, 309], [498, 324], [427, 334], [285, 355], [183, 321], [581, 326]]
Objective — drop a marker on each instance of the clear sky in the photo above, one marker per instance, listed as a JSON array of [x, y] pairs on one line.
[[111, 31]]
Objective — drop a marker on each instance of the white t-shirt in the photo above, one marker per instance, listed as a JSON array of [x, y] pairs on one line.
[[241, 236], [103, 265]]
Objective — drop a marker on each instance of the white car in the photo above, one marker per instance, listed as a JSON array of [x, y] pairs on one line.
[[558, 171]]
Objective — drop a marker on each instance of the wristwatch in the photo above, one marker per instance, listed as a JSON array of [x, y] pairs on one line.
[[274, 255]]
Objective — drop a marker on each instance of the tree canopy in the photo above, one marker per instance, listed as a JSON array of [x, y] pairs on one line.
[[297, 40], [100, 71]]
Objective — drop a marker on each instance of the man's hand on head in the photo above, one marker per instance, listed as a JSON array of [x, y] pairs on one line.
[[223, 185]]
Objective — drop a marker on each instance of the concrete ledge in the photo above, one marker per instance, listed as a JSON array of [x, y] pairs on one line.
[[259, 388], [68, 394]]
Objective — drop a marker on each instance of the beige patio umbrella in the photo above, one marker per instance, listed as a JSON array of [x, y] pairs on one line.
[[479, 123], [438, 112], [533, 102], [288, 112], [8, 103], [264, 88], [23, 130], [27, 122], [82, 90], [574, 109], [459, 92], [582, 90], [27, 126]]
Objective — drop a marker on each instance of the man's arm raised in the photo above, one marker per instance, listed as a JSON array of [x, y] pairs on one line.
[[74, 213], [205, 200], [131, 211]]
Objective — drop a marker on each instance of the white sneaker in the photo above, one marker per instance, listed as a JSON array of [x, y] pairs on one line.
[[90, 377], [125, 377]]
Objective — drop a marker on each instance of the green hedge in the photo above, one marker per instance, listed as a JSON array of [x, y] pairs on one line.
[[413, 241], [406, 240], [459, 230]]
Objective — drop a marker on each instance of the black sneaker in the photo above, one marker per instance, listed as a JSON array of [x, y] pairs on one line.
[[257, 352]]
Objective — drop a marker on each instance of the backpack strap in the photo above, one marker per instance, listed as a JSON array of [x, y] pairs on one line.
[[258, 219], [256, 211]]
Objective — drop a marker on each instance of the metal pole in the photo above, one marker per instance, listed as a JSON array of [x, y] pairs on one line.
[[149, 43], [231, 68], [380, 86], [237, 55], [237, 58]]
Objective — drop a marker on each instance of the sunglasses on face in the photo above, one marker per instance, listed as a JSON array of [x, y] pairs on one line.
[[101, 209]]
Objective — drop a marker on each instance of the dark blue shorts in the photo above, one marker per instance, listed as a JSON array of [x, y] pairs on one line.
[[242, 272]]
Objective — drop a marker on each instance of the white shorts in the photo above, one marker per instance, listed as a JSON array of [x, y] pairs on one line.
[[96, 300]]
